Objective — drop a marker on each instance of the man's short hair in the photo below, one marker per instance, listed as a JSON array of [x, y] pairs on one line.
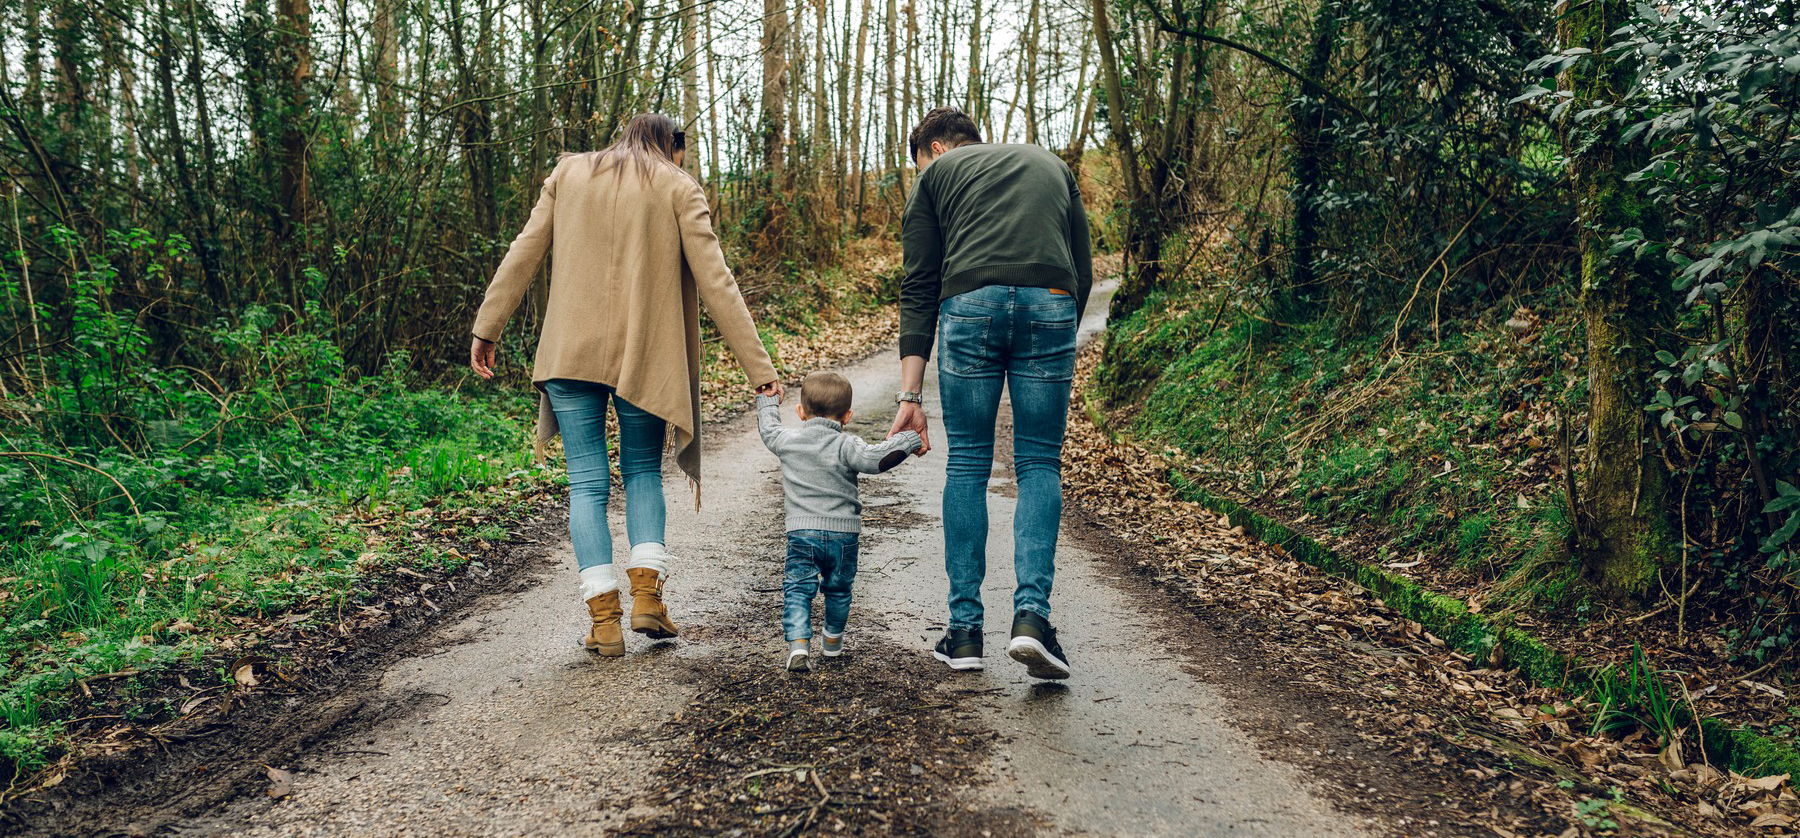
[[949, 126], [826, 394]]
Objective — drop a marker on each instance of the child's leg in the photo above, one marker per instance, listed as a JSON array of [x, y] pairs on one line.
[[839, 577], [799, 586]]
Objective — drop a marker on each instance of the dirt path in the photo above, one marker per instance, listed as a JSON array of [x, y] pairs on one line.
[[507, 727]]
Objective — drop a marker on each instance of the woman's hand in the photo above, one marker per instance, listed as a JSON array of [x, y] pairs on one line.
[[481, 357], [772, 388]]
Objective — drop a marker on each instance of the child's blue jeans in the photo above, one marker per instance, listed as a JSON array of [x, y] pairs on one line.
[[817, 559]]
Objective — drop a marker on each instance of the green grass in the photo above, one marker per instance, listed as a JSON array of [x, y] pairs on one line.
[[230, 527], [1417, 449], [1441, 454]]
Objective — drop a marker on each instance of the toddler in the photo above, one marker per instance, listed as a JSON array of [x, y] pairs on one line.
[[819, 465]]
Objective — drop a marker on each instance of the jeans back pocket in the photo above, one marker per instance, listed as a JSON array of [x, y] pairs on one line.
[[1052, 350], [963, 344]]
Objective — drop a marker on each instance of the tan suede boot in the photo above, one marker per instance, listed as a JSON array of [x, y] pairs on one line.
[[605, 638], [648, 616]]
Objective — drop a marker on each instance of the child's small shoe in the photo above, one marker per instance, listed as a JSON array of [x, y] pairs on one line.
[[833, 646], [799, 656]]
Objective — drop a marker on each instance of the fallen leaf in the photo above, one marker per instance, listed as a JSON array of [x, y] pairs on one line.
[[1769, 783], [281, 782], [244, 671]]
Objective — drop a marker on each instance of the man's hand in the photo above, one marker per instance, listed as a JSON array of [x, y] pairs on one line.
[[911, 417], [481, 357], [772, 388]]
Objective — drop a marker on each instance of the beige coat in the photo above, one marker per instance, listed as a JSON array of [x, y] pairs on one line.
[[631, 260]]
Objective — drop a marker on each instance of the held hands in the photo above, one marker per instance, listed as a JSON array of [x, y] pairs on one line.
[[772, 388], [481, 357], [911, 417]]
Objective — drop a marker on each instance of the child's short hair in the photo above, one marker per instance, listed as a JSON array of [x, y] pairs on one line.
[[825, 394]]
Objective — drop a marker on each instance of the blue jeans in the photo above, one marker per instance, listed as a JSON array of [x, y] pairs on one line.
[[581, 416], [1022, 339], [817, 560]]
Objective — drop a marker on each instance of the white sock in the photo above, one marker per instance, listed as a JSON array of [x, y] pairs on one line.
[[650, 554], [597, 580]]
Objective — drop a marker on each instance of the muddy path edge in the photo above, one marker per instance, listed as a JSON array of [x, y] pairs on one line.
[[221, 751]]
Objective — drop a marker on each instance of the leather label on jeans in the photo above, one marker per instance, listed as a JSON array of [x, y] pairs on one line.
[[1059, 291]]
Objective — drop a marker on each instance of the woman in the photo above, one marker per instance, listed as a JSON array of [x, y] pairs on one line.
[[634, 256]]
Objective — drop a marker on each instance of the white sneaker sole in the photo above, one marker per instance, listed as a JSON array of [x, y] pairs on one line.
[[1039, 663], [799, 663], [959, 664]]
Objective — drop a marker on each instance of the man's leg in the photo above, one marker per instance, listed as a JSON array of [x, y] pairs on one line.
[[970, 376], [1038, 377]]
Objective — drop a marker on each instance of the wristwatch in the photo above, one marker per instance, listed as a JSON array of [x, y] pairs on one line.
[[909, 396]]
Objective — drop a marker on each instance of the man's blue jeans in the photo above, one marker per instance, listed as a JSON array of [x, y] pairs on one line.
[[581, 416], [817, 560], [1022, 339]]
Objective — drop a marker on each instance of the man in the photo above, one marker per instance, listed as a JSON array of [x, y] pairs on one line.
[[997, 261]]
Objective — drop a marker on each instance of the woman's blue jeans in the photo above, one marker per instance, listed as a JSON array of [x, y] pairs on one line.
[[1022, 339], [581, 416]]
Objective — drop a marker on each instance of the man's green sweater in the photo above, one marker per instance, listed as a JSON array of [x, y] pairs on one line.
[[983, 215]]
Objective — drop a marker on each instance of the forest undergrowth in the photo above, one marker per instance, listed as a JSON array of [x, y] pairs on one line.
[[1444, 460]]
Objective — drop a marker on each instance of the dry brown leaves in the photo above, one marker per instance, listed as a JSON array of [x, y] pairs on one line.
[[1529, 764], [723, 391]]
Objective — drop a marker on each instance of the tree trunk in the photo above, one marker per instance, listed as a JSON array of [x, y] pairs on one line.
[[615, 107], [34, 58], [71, 97], [1142, 242], [891, 149], [1307, 113], [474, 123], [295, 54], [910, 81], [774, 98], [200, 231], [855, 166], [978, 103], [690, 79], [1084, 112], [1625, 302], [1031, 64], [389, 121], [713, 137]]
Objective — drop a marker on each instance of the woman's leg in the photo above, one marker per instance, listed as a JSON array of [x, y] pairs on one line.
[[581, 416], [641, 437], [640, 464]]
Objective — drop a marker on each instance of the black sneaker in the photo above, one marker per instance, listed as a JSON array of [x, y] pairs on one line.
[[960, 649], [1034, 644]]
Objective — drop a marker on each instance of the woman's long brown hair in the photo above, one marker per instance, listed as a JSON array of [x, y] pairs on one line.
[[648, 140]]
